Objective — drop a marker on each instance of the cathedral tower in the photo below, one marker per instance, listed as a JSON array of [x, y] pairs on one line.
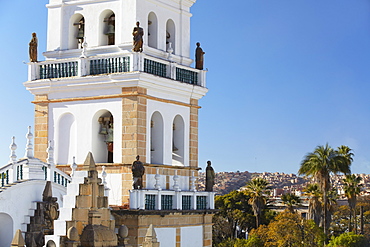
[[149, 98], [97, 93]]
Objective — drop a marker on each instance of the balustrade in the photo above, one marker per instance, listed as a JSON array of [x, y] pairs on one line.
[[171, 200], [119, 64], [58, 70]]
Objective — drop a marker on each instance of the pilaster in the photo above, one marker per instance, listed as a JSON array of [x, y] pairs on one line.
[[134, 105], [41, 127], [193, 145]]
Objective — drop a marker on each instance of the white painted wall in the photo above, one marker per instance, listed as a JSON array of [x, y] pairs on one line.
[[166, 236], [62, 16], [16, 202], [114, 183], [183, 182], [191, 236], [6, 230], [169, 112], [86, 133]]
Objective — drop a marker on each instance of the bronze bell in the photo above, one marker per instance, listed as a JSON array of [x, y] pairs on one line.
[[80, 34], [110, 29], [103, 130]]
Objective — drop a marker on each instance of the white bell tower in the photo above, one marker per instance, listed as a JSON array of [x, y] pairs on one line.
[[93, 93]]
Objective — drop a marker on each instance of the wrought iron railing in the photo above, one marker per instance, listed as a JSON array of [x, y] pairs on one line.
[[119, 64], [109, 65], [171, 200], [187, 76], [20, 172], [4, 178], [58, 70], [201, 202], [186, 202], [150, 202], [60, 179], [155, 68], [45, 170], [167, 202]]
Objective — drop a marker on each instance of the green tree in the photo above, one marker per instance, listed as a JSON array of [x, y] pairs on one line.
[[314, 203], [352, 189], [234, 211], [290, 229], [291, 200], [320, 164], [349, 239], [257, 189]]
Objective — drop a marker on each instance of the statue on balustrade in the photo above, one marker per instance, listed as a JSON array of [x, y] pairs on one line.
[[138, 171], [199, 57], [138, 34], [33, 48], [210, 177]]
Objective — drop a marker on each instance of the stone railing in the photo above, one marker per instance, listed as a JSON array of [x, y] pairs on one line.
[[171, 200], [32, 170], [85, 66]]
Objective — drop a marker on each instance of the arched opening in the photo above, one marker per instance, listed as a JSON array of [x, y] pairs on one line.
[[6, 230], [76, 31], [170, 35], [102, 136], [178, 141], [107, 28], [51, 243], [152, 30], [66, 139], [156, 138]]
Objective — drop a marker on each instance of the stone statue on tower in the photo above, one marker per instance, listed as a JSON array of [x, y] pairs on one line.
[[138, 34], [33, 48]]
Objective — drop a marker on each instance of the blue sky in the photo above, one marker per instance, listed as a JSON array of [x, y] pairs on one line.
[[284, 76]]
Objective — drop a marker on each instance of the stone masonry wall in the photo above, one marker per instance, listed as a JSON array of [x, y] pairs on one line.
[[41, 127], [193, 159], [133, 124]]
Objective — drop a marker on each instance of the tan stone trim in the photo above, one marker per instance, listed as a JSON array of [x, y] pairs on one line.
[[115, 96]]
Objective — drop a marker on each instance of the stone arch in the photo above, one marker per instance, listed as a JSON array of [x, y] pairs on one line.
[[66, 138], [106, 27], [6, 229], [102, 136], [76, 26], [152, 30], [171, 35], [156, 138], [178, 140]]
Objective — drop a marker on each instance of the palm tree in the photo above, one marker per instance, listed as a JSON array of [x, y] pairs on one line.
[[291, 200], [352, 189], [257, 189], [320, 164], [314, 203]]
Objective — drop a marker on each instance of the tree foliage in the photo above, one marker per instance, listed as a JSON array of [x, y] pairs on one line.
[[234, 212], [349, 239], [352, 189], [291, 200], [257, 189], [290, 229], [320, 164]]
